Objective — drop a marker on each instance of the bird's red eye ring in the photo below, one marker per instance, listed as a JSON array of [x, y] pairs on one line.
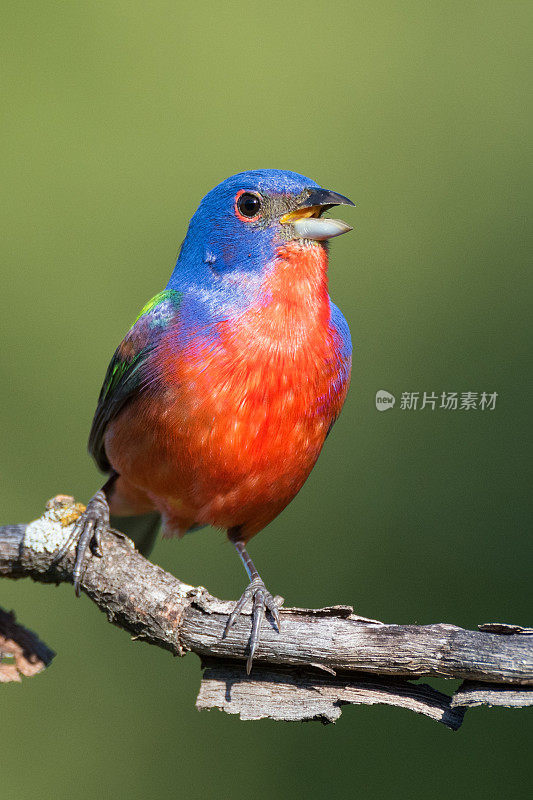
[[247, 205]]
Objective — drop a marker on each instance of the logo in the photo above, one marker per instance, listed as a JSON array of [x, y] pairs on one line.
[[384, 400], [447, 401]]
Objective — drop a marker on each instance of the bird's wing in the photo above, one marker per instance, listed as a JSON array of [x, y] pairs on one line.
[[342, 331], [128, 371]]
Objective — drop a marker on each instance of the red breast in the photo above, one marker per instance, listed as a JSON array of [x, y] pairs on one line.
[[238, 428]]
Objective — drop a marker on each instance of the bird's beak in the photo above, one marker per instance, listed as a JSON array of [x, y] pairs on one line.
[[307, 221]]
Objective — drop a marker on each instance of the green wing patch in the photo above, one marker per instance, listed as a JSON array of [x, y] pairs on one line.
[[128, 371], [166, 294]]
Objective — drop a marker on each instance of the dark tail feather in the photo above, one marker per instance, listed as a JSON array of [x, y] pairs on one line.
[[143, 529]]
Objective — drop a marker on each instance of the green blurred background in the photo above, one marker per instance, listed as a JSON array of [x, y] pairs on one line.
[[118, 118]]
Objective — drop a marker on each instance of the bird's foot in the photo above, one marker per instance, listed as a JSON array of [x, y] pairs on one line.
[[87, 532], [262, 601]]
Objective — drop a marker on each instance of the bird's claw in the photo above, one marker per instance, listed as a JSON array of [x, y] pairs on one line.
[[262, 601], [87, 532]]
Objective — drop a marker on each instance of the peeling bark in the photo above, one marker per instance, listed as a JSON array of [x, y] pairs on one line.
[[321, 659]]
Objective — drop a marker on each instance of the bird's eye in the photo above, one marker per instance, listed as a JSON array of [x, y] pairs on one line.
[[248, 205]]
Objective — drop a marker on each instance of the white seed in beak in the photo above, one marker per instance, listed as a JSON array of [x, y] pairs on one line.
[[319, 228]]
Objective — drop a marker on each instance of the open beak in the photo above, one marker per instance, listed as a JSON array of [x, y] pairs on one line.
[[307, 221]]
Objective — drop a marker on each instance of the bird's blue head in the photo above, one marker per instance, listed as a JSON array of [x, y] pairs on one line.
[[241, 223]]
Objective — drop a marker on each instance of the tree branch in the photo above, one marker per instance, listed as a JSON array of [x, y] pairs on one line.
[[21, 652], [322, 659]]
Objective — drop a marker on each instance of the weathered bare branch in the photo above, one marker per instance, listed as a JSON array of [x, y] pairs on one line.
[[288, 694], [21, 651], [474, 693], [322, 659]]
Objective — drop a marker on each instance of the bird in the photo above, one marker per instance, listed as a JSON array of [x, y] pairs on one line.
[[218, 400]]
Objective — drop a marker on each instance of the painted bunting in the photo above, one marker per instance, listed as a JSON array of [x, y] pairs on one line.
[[217, 402]]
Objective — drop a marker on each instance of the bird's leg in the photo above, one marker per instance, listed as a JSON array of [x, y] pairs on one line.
[[262, 600], [88, 530]]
